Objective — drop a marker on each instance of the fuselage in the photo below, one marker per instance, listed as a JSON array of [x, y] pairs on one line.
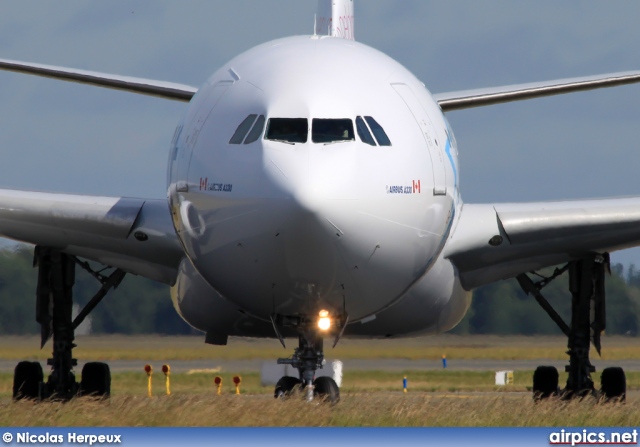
[[315, 172]]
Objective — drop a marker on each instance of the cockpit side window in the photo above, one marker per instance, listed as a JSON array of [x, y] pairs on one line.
[[378, 132], [287, 130], [242, 129], [331, 130], [363, 132], [256, 131]]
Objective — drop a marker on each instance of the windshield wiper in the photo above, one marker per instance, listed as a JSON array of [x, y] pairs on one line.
[[282, 141], [337, 141]]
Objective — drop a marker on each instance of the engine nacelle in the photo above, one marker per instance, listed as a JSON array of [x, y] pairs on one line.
[[202, 307], [435, 304]]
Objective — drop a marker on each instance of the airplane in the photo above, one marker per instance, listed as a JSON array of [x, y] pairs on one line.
[[309, 204]]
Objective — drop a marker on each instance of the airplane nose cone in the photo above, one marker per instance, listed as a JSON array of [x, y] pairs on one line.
[[314, 189], [308, 200], [312, 185], [313, 178], [310, 231]]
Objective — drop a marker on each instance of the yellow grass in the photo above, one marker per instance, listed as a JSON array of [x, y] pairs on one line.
[[356, 409]]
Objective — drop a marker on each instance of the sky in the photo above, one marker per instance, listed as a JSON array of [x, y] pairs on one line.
[[64, 137]]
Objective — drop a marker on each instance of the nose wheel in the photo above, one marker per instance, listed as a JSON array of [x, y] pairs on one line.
[[286, 386], [307, 358], [325, 388]]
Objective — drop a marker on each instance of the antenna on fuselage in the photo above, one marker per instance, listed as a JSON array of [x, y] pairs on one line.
[[315, 18]]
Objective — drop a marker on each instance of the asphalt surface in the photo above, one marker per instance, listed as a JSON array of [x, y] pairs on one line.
[[360, 365]]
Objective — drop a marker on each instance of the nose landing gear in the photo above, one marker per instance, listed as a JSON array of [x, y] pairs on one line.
[[307, 358]]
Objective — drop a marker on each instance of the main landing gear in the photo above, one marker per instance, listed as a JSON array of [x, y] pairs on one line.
[[307, 358], [54, 304], [586, 284]]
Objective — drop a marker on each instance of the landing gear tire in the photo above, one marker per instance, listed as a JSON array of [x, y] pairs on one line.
[[96, 380], [613, 384], [326, 389], [545, 382], [286, 386], [27, 380]]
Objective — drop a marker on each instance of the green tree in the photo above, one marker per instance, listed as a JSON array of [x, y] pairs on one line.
[[137, 306], [140, 305], [17, 292]]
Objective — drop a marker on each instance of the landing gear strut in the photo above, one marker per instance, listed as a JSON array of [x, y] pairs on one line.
[[586, 284], [307, 358], [54, 306]]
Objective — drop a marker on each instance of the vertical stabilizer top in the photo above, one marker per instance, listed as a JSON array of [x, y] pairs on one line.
[[335, 18]]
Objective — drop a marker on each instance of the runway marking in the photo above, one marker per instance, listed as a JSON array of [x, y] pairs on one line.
[[205, 371]]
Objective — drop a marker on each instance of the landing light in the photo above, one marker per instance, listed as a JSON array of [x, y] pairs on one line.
[[324, 321]]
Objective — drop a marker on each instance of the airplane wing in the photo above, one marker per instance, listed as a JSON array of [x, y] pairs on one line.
[[448, 101], [500, 241], [166, 90], [135, 235], [466, 99]]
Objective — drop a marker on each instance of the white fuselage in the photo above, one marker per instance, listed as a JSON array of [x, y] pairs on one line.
[[287, 228]]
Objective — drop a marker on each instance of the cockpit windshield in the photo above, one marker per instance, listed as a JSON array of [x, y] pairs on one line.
[[331, 130], [287, 130]]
